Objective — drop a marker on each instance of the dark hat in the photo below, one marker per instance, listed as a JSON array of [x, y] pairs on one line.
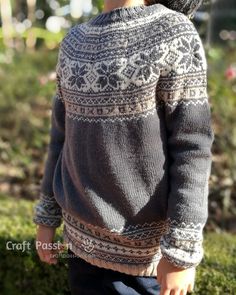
[[187, 7]]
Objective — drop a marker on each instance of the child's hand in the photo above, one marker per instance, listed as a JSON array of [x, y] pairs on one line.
[[44, 244], [174, 280]]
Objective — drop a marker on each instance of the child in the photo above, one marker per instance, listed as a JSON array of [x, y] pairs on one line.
[[130, 151]]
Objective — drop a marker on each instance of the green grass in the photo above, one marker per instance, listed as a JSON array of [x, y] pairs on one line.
[[20, 270], [217, 272]]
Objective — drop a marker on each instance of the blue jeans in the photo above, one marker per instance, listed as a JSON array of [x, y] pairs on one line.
[[87, 279]]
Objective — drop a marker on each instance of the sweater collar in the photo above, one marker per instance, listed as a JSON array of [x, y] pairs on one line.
[[123, 14]]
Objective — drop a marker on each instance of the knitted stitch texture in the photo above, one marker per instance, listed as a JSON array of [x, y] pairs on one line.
[[130, 152]]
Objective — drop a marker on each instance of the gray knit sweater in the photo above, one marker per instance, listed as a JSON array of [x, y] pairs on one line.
[[130, 153]]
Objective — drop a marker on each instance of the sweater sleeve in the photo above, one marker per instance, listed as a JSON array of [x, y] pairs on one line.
[[182, 92], [47, 211]]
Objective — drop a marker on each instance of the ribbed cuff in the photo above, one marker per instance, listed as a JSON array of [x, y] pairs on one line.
[[47, 212], [182, 244]]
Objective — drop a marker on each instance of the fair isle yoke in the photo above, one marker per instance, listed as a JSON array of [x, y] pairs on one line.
[[130, 152]]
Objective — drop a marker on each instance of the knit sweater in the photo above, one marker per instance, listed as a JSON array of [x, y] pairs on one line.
[[130, 156]]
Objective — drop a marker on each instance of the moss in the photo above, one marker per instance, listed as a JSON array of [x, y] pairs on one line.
[[21, 271], [217, 272]]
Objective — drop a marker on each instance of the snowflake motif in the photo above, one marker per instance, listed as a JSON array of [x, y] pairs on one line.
[[156, 55], [108, 75], [146, 67], [190, 51], [77, 77]]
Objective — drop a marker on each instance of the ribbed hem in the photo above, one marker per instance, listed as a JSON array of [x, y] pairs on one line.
[[149, 270]]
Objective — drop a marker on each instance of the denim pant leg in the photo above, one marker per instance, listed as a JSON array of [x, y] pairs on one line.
[[83, 277], [87, 279], [123, 284]]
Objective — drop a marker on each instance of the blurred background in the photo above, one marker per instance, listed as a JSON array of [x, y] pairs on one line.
[[30, 33]]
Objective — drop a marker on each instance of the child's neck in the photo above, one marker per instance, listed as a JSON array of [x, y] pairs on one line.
[[112, 4]]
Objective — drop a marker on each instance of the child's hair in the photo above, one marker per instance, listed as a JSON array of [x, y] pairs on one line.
[[187, 7]]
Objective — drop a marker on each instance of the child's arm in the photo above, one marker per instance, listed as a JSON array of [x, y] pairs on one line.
[[47, 214], [189, 141], [47, 211]]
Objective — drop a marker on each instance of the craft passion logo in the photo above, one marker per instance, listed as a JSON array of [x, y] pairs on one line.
[[87, 245], [23, 246], [28, 245]]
